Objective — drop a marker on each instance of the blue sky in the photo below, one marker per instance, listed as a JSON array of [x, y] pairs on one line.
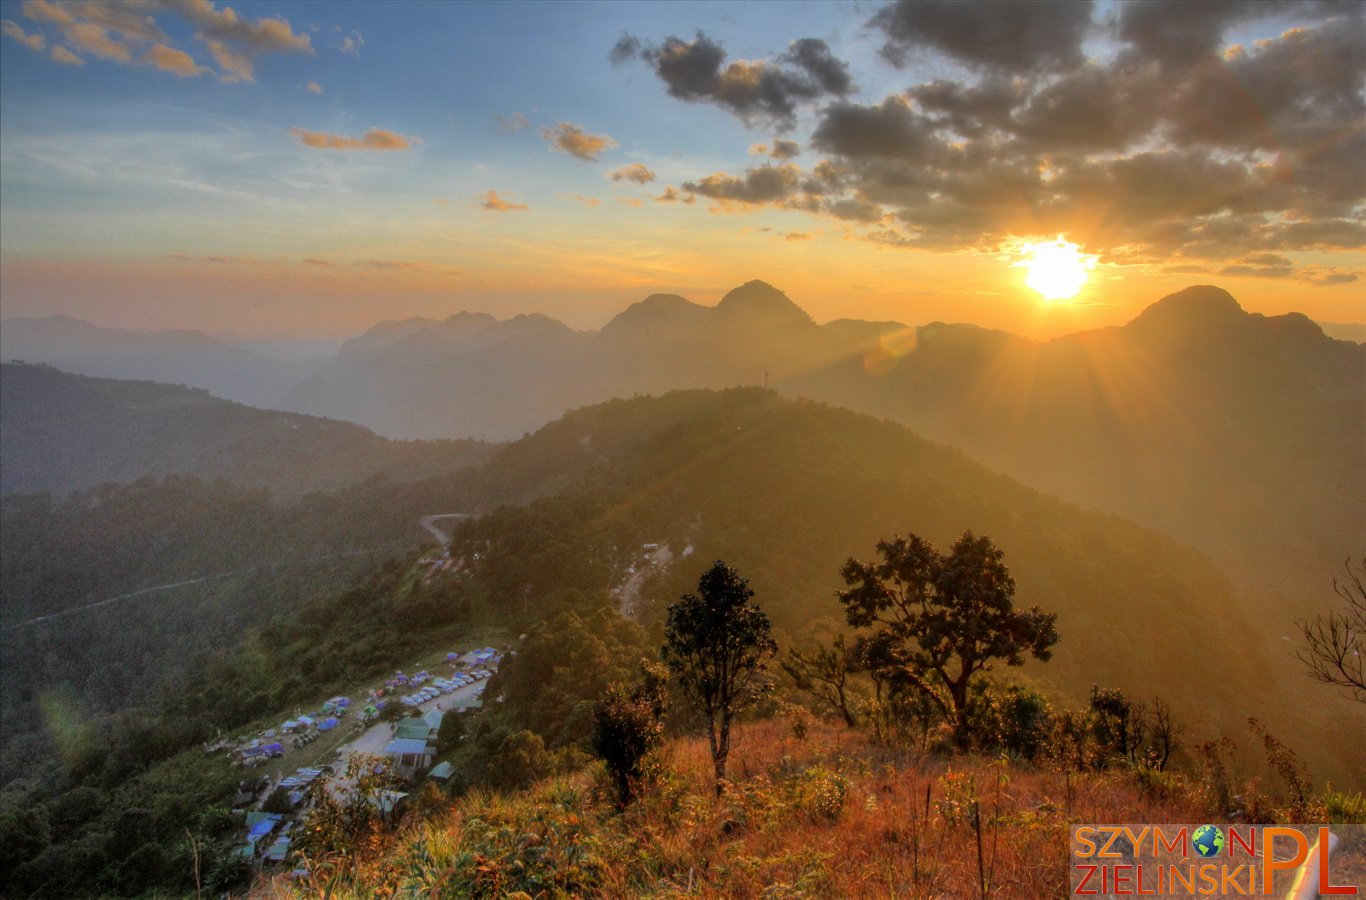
[[155, 151]]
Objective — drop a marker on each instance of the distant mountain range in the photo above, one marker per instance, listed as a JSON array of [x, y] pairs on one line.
[[174, 357], [61, 432], [1241, 433]]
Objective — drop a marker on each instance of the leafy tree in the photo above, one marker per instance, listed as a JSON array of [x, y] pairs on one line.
[[627, 726], [1333, 644], [942, 618], [823, 672], [717, 644], [451, 731]]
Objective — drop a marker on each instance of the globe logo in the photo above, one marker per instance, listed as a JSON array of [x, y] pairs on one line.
[[1208, 840]]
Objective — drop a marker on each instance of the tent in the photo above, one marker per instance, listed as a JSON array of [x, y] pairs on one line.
[[452, 657], [305, 721], [371, 710], [443, 771], [276, 749], [327, 724], [343, 702]]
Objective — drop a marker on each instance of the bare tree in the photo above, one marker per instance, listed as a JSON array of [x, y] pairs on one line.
[[1333, 643]]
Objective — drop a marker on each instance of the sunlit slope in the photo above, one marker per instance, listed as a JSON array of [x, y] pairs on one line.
[[1241, 434], [786, 491]]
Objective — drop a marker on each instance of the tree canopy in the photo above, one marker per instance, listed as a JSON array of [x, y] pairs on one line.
[[939, 619], [717, 644]]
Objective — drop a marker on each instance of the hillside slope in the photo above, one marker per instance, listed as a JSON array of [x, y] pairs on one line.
[[61, 432]]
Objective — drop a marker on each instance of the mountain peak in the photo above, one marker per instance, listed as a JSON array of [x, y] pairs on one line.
[[759, 298], [1200, 306]]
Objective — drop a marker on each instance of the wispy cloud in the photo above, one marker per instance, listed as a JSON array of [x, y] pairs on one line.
[[313, 87], [128, 33], [374, 139], [511, 124], [495, 203], [14, 30], [177, 62]]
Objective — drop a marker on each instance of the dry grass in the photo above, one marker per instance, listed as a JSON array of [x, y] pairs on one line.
[[831, 816]]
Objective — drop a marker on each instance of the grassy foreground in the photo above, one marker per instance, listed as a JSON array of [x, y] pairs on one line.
[[830, 815]]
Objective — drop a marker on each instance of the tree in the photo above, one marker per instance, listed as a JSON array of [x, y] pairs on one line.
[[717, 644], [940, 619], [628, 725], [1333, 643], [823, 672]]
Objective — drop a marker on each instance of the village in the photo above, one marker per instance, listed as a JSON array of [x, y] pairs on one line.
[[397, 722]]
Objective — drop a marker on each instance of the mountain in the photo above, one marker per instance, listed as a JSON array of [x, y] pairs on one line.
[[472, 375], [1345, 331], [61, 432], [175, 357], [1240, 433]]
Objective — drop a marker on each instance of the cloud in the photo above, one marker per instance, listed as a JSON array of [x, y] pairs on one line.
[[441, 201], [494, 203], [1017, 38], [400, 265], [1145, 152], [351, 44], [763, 184], [586, 201], [128, 33], [796, 236], [1328, 279], [572, 139], [62, 55], [785, 149], [636, 172], [313, 87], [177, 62], [511, 124], [672, 195], [14, 30], [85, 34], [321, 263], [764, 91], [374, 139]]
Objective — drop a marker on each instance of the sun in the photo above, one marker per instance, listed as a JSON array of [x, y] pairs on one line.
[[1056, 269]]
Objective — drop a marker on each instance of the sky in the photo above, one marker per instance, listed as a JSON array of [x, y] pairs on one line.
[[309, 169]]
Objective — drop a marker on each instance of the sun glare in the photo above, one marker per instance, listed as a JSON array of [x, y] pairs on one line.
[[1056, 269]]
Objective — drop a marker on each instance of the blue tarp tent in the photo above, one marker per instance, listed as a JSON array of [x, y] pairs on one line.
[[276, 749], [327, 724]]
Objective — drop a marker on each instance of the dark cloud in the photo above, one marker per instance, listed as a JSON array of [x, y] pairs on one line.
[[1212, 154], [1039, 35], [1185, 32], [767, 91], [785, 149], [763, 184], [890, 130]]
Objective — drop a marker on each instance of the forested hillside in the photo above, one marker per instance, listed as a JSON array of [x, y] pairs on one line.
[[61, 432]]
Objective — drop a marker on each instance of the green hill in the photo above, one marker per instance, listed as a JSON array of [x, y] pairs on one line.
[[61, 432]]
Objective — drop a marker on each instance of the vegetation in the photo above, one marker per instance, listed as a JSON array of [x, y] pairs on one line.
[[628, 726], [717, 645], [1333, 643], [61, 433], [942, 618], [834, 815]]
